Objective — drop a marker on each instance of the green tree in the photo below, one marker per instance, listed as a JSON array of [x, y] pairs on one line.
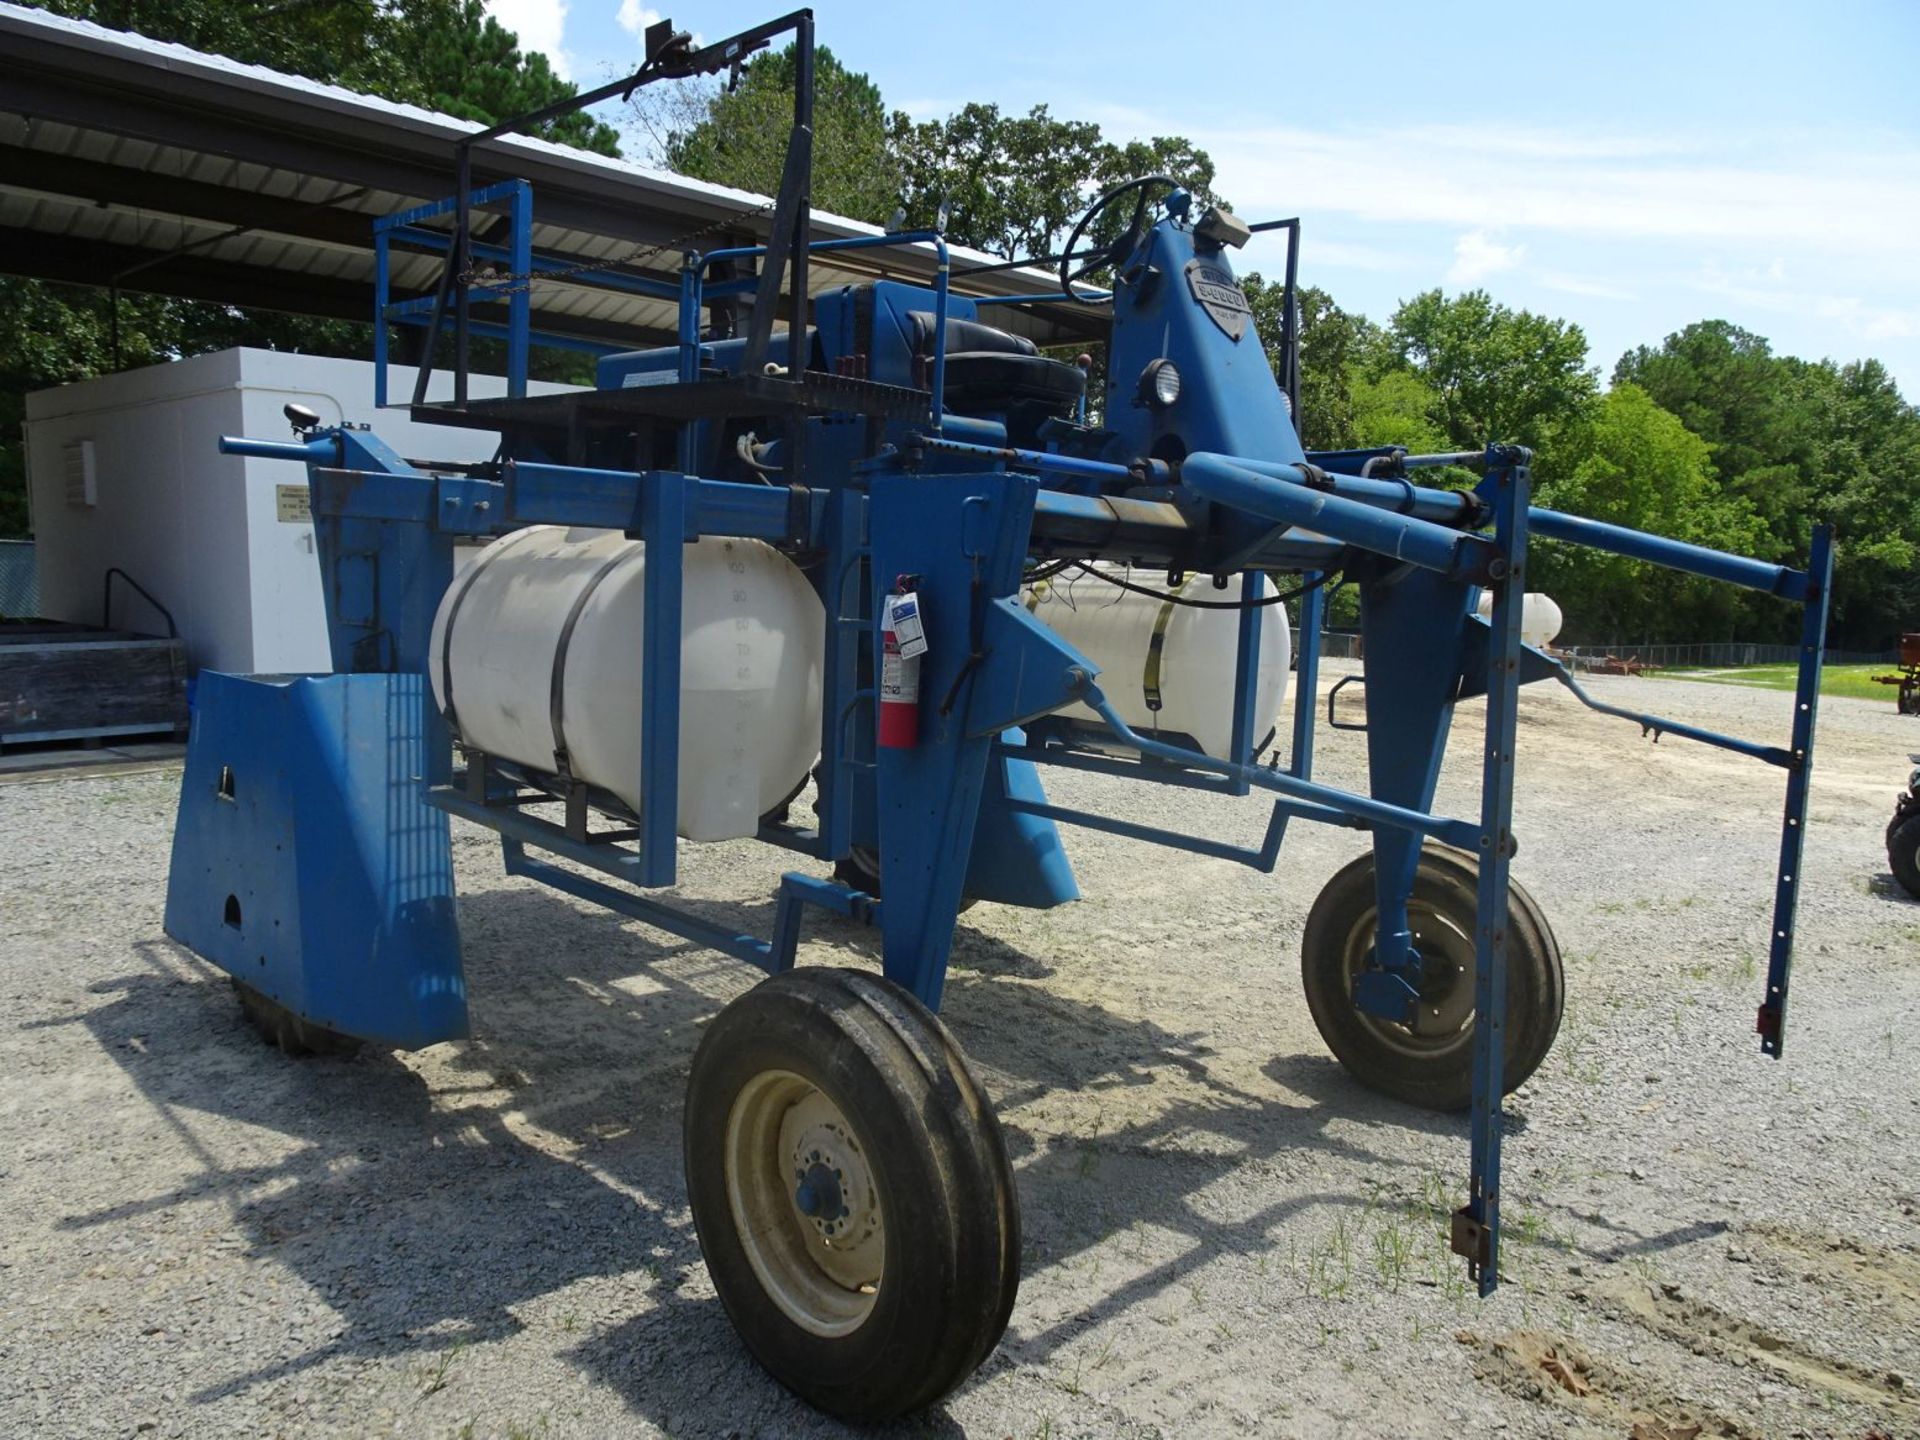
[[348, 41], [1800, 442], [1724, 384], [1015, 185], [52, 335], [1173, 156], [451, 56], [1495, 373], [1395, 407], [443, 54], [1861, 471], [739, 137], [1640, 466], [1012, 184], [1335, 346]]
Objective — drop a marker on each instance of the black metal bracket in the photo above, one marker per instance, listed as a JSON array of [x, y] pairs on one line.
[[1333, 694], [669, 57], [1472, 1241]]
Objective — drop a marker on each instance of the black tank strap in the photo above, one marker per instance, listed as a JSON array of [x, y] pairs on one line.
[[556, 692]]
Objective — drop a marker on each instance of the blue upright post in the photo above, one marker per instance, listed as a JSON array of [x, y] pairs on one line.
[[689, 347], [1476, 1229], [520, 295], [1306, 696], [1306, 679], [843, 720], [380, 300], [1246, 676], [690, 317], [1793, 827], [663, 526]]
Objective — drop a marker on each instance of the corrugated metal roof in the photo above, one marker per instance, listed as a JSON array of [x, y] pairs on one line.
[[155, 167]]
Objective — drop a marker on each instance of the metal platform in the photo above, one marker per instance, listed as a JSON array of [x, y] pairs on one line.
[[60, 681], [814, 393]]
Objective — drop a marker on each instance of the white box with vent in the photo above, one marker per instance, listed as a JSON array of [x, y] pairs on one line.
[[123, 471]]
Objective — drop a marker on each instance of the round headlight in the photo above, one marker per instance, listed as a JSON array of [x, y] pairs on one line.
[[1160, 384]]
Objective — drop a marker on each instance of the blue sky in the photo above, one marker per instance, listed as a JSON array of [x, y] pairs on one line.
[[1631, 167]]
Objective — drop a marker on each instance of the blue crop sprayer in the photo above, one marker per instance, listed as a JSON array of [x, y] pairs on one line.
[[760, 556]]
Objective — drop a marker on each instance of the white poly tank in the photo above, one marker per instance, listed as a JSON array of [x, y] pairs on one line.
[[1540, 618], [750, 661], [1193, 675]]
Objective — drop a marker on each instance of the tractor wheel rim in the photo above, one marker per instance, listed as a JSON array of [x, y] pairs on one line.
[[1443, 1020], [805, 1204]]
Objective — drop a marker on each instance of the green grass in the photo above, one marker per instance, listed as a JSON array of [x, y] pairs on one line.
[[1853, 680]]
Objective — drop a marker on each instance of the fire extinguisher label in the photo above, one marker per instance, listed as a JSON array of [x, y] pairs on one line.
[[903, 619], [899, 678]]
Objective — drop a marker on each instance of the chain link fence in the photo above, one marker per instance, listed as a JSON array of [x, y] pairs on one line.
[[1704, 655], [1714, 655]]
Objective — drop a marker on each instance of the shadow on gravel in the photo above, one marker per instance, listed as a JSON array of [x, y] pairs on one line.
[[1884, 887], [421, 1221]]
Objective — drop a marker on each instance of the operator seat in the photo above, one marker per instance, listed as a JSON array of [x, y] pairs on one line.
[[992, 372]]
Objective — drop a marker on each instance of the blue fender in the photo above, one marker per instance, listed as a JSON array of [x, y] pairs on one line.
[[1017, 858], [306, 861]]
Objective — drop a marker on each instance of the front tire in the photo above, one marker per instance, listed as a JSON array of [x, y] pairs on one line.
[[851, 1191], [1429, 1062]]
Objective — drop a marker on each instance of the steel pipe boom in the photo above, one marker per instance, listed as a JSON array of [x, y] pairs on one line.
[[1461, 833], [1781, 580], [320, 450], [1283, 493], [1448, 507]]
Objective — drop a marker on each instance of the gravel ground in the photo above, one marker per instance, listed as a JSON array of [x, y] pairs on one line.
[[1224, 1235]]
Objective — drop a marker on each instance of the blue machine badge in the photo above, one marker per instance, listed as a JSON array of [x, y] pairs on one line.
[[1220, 296]]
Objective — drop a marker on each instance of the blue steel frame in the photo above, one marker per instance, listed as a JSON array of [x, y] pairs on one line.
[[408, 228], [695, 292], [384, 524]]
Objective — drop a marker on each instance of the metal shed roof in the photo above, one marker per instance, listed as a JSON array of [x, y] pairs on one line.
[[152, 167]]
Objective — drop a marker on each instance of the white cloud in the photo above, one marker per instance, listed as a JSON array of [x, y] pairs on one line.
[[925, 108], [1805, 191], [1477, 255], [1339, 255], [1580, 285], [634, 17], [540, 25], [1769, 288]]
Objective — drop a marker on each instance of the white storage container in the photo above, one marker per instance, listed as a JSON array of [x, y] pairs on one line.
[[548, 598], [124, 471], [1187, 671]]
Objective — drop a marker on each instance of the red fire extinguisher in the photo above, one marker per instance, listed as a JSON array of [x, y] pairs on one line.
[[902, 642]]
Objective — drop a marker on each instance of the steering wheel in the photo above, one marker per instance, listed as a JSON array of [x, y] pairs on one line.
[[1077, 264]]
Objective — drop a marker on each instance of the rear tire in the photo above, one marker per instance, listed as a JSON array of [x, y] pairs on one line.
[[1430, 1062], [1903, 851], [860, 870], [851, 1191]]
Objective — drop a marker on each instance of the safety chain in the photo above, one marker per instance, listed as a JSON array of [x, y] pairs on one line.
[[508, 282]]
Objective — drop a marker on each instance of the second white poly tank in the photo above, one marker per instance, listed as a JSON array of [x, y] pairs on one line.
[[1540, 617], [1187, 669]]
